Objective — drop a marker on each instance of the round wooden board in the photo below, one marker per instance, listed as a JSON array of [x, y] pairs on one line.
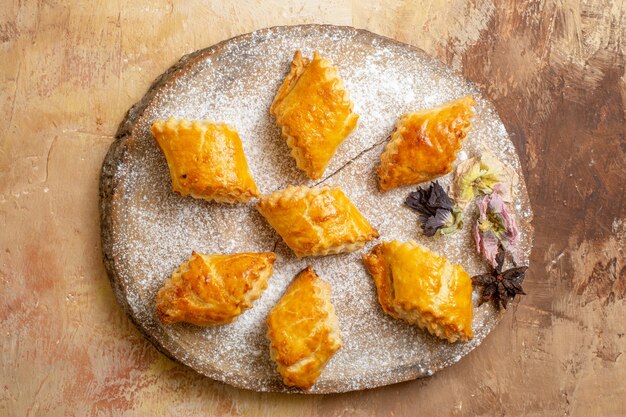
[[147, 230]]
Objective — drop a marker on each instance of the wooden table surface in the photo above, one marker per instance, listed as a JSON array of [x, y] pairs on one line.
[[69, 71]]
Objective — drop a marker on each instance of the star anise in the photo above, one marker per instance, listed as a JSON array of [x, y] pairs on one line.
[[500, 285]]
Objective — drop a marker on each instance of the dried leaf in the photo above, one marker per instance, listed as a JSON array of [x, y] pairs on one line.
[[437, 212]]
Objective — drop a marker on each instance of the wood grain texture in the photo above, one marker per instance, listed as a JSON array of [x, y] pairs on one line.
[[69, 70]]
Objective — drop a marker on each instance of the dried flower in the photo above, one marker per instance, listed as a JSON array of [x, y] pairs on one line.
[[495, 226], [437, 213], [480, 176], [499, 286]]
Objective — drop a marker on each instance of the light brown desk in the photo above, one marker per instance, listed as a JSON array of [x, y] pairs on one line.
[[70, 70]]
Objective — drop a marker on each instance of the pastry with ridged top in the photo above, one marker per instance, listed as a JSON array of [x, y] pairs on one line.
[[424, 144], [205, 159], [316, 221], [209, 290], [303, 330], [314, 112], [421, 287]]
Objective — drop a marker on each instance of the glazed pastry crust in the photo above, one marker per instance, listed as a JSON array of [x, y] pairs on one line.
[[314, 112], [206, 160], [303, 330], [424, 144], [209, 290], [423, 288], [316, 221]]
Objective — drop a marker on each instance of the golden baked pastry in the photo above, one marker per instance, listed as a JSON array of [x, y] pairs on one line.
[[424, 144], [316, 221], [423, 288], [314, 111], [205, 159], [303, 330], [208, 290]]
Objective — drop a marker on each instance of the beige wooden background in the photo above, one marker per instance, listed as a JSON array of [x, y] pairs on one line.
[[70, 69]]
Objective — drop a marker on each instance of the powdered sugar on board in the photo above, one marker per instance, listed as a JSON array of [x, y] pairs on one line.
[[154, 230]]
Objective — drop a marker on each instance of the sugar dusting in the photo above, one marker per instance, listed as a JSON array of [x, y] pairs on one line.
[[157, 229]]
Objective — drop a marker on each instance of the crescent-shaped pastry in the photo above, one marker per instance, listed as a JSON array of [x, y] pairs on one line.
[[419, 286], [208, 290], [205, 159], [424, 144], [303, 330], [316, 221], [314, 111]]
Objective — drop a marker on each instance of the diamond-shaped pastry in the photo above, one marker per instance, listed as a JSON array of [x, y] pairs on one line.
[[424, 144], [303, 330], [314, 111], [423, 288], [316, 221], [205, 160], [208, 290]]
